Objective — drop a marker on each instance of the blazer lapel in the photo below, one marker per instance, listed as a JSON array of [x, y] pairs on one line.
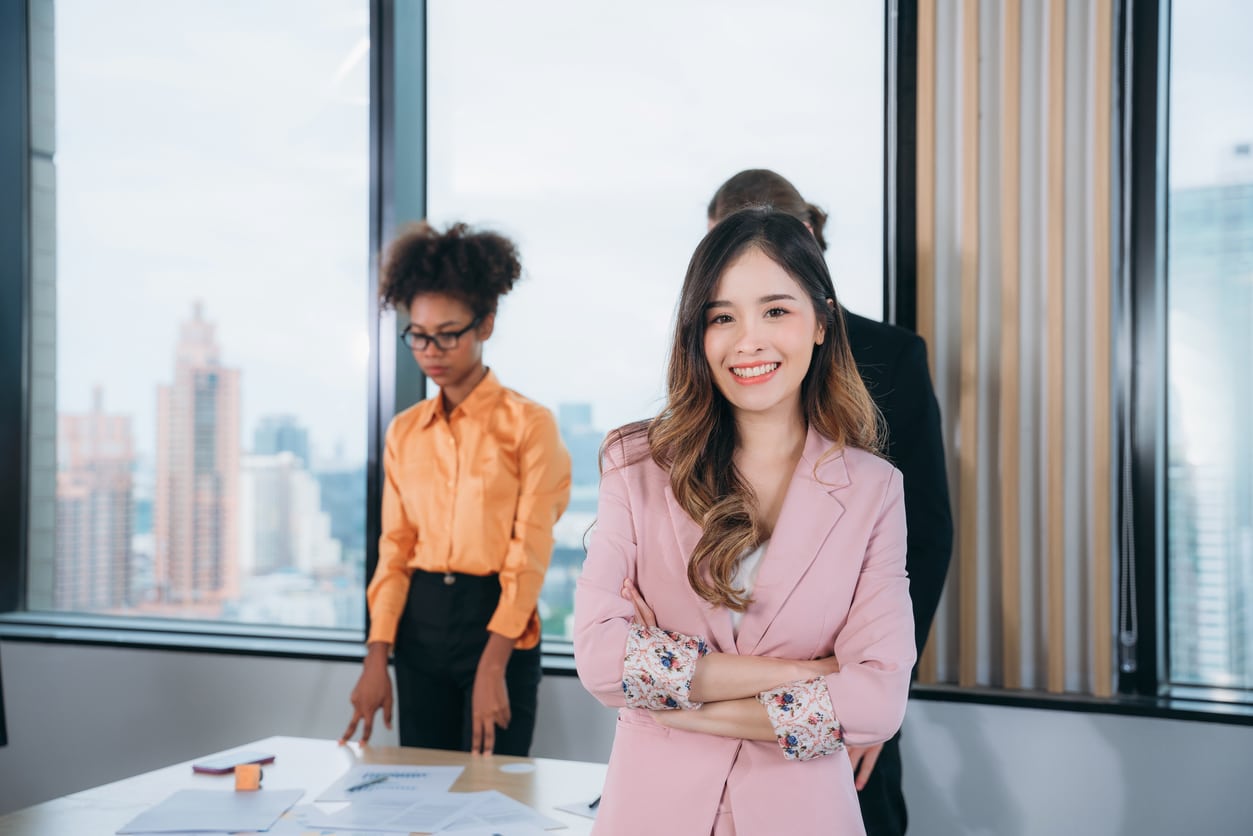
[[810, 511], [686, 534]]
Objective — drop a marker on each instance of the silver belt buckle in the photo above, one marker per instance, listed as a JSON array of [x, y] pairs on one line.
[[449, 579]]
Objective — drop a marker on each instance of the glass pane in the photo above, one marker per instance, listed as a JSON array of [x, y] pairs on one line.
[[595, 135], [1210, 395], [210, 176]]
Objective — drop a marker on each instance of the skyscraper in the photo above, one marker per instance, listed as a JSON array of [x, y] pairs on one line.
[[582, 439], [281, 434], [283, 525], [96, 455], [1210, 487], [195, 515]]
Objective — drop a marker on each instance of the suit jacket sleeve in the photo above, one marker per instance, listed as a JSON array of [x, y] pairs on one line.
[[602, 618], [917, 450], [875, 645]]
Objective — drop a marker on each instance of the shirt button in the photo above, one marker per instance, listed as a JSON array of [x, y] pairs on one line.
[[449, 579]]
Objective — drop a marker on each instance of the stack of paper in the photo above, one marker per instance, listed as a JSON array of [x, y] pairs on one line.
[[385, 782], [214, 811], [404, 799], [438, 812]]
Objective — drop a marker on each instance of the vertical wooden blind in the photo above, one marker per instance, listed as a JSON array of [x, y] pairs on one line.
[[1014, 270]]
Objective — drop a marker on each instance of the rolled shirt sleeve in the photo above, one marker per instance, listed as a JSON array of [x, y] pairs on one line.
[[803, 719], [657, 668]]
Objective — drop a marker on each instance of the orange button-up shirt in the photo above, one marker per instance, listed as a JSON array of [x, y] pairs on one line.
[[476, 491]]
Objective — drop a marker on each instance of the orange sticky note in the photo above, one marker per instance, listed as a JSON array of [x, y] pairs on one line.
[[248, 776]]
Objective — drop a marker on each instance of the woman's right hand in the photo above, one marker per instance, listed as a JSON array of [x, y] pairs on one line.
[[373, 691], [643, 613]]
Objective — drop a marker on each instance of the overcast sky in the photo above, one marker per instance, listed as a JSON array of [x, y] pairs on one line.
[[215, 151], [1211, 90], [219, 151]]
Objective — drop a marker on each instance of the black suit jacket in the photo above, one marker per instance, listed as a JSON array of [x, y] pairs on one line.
[[893, 364]]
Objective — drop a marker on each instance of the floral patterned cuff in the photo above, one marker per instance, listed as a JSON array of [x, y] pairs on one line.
[[659, 667], [803, 719]]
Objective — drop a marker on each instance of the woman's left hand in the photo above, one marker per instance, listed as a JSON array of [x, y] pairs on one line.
[[643, 613], [489, 702]]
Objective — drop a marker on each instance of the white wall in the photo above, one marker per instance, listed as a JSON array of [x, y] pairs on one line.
[[80, 716]]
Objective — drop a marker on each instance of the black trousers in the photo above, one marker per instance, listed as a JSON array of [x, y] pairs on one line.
[[882, 801], [441, 636]]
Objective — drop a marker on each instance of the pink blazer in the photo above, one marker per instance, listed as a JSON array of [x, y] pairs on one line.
[[832, 580]]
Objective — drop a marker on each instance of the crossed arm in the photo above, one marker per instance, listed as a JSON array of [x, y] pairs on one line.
[[729, 693], [624, 658]]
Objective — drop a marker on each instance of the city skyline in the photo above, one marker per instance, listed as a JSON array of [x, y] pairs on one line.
[[242, 527], [235, 533]]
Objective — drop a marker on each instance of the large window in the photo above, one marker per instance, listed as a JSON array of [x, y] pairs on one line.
[[595, 136], [200, 219], [1209, 393]]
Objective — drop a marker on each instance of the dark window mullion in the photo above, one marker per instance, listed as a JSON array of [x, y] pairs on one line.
[[14, 272], [1145, 86]]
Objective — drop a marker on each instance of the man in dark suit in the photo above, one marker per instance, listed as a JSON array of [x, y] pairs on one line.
[[893, 365]]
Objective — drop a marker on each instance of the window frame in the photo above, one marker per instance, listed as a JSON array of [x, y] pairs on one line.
[[1147, 171], [14, 270], [398, 75], [1144, 77], [16, 622]]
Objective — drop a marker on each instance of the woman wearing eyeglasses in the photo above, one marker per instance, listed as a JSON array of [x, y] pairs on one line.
[[476, 477]]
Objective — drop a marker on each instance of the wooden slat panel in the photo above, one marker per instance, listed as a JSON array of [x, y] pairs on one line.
[[925, 197], [1054, 453], [1102, 462], [968, 409], [1011, 334]]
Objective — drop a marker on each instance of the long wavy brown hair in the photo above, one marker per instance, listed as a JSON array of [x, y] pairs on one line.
[[694, 437]]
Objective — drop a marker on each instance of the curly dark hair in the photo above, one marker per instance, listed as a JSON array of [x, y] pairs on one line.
[[476, 267]]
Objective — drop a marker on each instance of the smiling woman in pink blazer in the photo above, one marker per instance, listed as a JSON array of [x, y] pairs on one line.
[[744, 601]]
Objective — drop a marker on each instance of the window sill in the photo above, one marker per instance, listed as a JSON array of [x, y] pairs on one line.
[[217, 637], [1216, 708], [191, 636], [558, 660], [1163, 707]]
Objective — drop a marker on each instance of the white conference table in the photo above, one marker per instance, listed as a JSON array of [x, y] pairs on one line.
[[313, 765]]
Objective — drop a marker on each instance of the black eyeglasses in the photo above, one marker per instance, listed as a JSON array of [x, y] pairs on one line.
[[444, 341]]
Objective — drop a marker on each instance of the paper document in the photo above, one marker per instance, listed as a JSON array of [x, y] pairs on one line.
[[438, 812], [400, 783], [522, 830], [582, 808], [497, 811], [295, 822], [424, 816], [200, 810]]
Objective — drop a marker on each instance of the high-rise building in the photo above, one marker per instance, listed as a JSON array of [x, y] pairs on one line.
[[1210, 482], [281, 434], [282, 524], [343, 499], [582, 439], [195, 514], [96, 456]]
